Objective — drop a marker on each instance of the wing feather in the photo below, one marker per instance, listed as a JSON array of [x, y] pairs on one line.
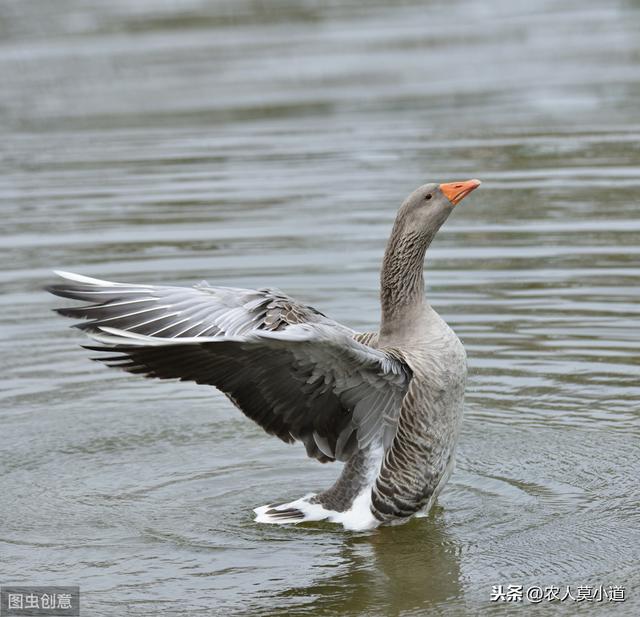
[[297, 373]]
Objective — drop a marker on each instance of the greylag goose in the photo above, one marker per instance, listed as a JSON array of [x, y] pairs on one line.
[[388, 404]]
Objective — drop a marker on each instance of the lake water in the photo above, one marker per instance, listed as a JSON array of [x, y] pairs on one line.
[[250, 144]]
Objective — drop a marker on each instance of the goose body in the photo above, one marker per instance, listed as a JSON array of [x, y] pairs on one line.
[[388, 404]]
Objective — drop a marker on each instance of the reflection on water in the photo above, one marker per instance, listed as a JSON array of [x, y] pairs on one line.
[[391, 572], [256, 144]]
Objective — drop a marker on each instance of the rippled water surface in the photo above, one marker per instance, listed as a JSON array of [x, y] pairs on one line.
[[253, 144]]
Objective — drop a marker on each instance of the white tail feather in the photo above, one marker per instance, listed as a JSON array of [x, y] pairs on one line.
[[357, 518]]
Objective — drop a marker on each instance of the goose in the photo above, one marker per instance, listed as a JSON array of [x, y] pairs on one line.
[[388, 404]]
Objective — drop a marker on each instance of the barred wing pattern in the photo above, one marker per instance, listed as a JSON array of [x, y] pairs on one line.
[[297, 373]]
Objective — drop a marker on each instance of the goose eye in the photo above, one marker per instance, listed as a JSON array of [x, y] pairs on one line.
[[428, 196]]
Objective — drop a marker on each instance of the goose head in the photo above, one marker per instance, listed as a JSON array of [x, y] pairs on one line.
[[401, 280], [428, 207]]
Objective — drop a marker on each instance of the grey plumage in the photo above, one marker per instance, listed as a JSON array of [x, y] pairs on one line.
[[389, 404], [298, 374]]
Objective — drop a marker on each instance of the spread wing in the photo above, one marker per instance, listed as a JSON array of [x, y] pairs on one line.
[[297, 373]]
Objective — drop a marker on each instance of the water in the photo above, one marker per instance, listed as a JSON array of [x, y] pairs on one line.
[[258, 144]]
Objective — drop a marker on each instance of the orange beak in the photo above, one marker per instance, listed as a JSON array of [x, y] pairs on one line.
[[457, 191]]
